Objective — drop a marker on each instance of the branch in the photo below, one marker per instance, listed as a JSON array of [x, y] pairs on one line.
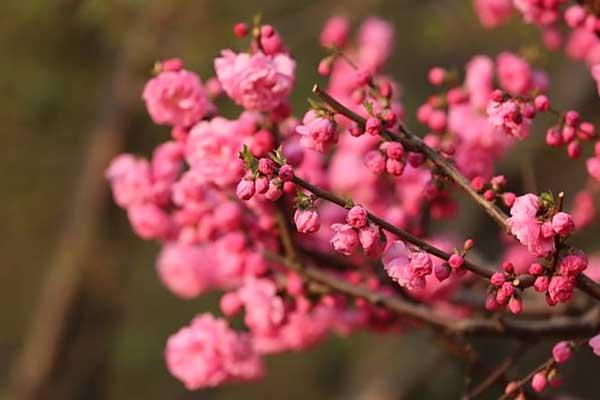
[[498, 373], [546, 365], [584, 325], [414, 143]]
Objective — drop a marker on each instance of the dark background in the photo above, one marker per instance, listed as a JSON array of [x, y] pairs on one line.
[[80, 290]]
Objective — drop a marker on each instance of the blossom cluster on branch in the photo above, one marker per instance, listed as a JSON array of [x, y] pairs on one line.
[[320, 224]]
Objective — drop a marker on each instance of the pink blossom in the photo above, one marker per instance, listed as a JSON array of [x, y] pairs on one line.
[[149, 221], [245, 189], [265, 310], [409, 270], [508, 115], [357, 217], [335, 32], [208, 352], [230, 304], [562, 224], [514, 73], [562, 351], [318, 133], [256, 81], [593, 167], [539, 382], [345, 239], [375, 162], [212, 151], [492, 13], [479, 80], [370, 239], [307, 221], [176, 98], [185, 270], [527, 228], [375, 42], [573, 264], [560, 289], [595, 344], [130, 180]]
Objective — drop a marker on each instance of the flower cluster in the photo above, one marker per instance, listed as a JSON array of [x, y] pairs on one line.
[[357, 230], [222, 196]]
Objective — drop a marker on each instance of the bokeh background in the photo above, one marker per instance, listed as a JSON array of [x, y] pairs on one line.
[[82, 313]]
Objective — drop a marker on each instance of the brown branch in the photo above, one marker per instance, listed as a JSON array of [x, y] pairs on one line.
[[587, 324], [414, 143], [546, 365], [498, 373]]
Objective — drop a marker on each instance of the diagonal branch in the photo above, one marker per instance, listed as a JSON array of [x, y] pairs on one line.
[[414, 143]]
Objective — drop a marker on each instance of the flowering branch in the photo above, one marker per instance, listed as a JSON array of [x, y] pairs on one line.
[[414, 143]]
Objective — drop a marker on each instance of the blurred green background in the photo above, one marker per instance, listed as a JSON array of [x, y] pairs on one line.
[[72, 74]]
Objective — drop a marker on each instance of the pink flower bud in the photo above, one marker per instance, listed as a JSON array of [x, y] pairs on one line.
[[572, 118], [509, 199], [489, 195], [468, 245], [375, 161], [574, 150], [324, 68], [274, 192], [563, 224], [286, 173], [498, 279], [541, 283], [424, 112], [442, 271], [554, 137], [230, 304], [515, 305], [335, 32], [262, 184], [546, 230], [575, 15], [587, 131], [490, 302], [357, 217], [394, 150], [345, 239], [416, 159], [240, 29], [541, 102], [538, 382], [478, 183], [498, 96], [437, 121], [307, 221], [508, 267], [562, 351], [436, 76], [394, 167], [172, 65], [355, 130], [505, 293], [385, 89], [265, 166], [536, 269], [363, 77], [456, 261], [568, 133], [245, 189], [373, 126], [389, 117]]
